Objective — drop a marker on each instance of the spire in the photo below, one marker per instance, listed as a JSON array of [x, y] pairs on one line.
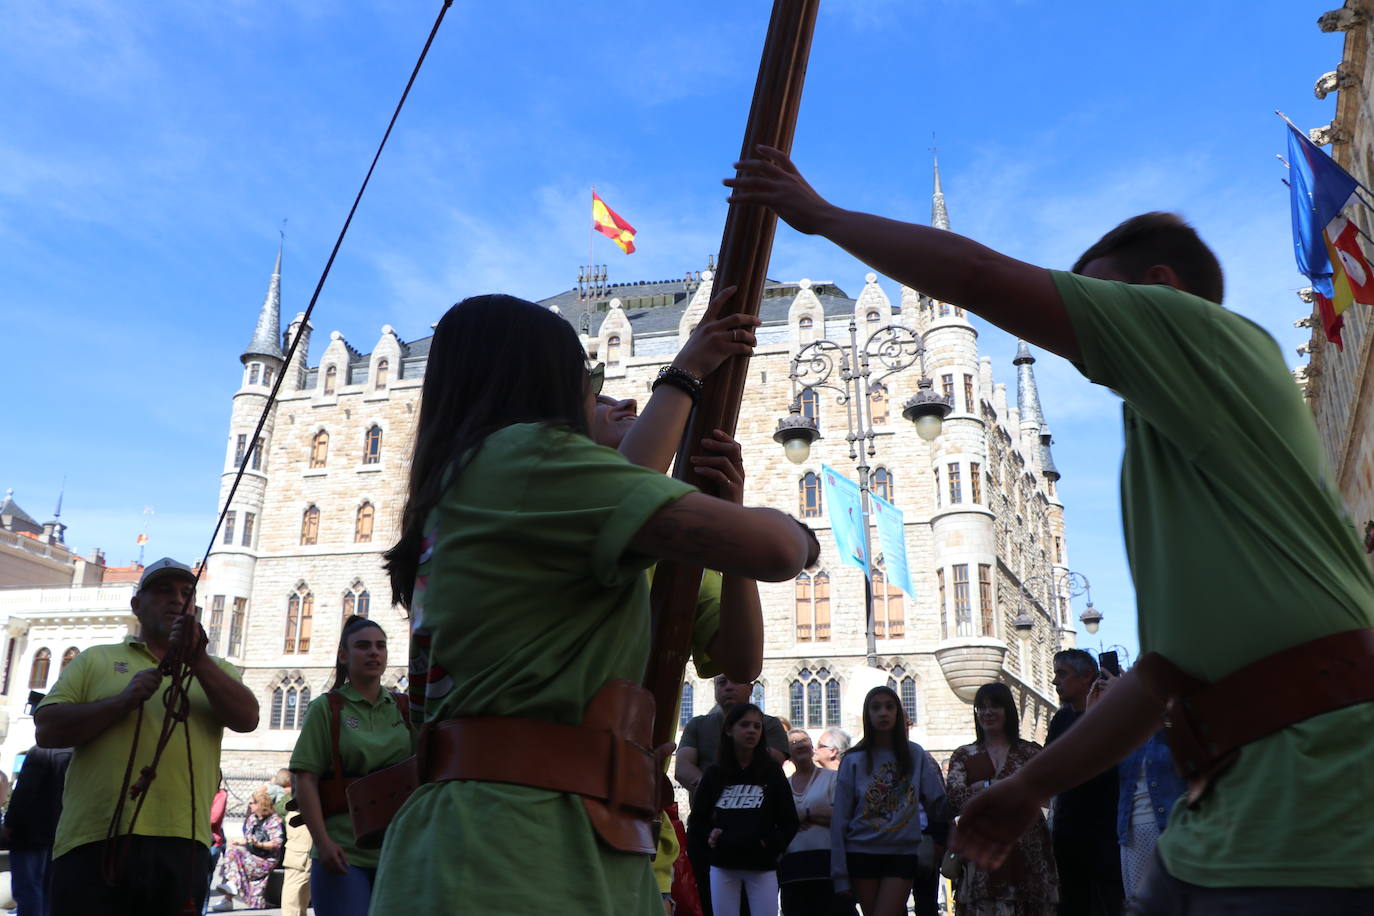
[[939, 216], [1027, 398], [267, 335], [1046, 459], [57, 513]]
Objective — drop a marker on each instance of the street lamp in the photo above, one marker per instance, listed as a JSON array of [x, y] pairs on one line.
[[1065, 583], [851, 372]]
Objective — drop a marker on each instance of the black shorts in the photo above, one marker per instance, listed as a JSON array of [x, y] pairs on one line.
[[881, 865]]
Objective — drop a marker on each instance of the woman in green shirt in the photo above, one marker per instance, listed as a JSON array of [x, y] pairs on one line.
[[372, 733], [521, 563]]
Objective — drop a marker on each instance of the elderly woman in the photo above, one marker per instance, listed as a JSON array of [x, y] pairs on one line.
[[249, 860]]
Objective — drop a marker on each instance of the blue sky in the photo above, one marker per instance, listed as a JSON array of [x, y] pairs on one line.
[[150, 151]]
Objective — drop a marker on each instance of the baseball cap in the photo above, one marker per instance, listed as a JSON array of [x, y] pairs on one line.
[[162, 569]]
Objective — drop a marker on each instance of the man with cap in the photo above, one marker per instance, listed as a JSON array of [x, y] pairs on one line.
[[94, 709]]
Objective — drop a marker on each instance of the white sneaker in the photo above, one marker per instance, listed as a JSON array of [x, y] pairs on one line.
[[224, 905]]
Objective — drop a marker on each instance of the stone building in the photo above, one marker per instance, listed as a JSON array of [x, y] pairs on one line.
[[322, 495], [1339, 382]]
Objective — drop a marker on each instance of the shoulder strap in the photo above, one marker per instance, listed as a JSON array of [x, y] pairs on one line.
[[403, 705], [336, 701]]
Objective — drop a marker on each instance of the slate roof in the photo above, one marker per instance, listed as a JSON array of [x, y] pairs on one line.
[[15, 518]]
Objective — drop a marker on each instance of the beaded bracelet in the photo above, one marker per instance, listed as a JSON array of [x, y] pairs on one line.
[[680, 379]]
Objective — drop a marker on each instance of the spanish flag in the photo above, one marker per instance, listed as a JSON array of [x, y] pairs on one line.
[[610, 224]]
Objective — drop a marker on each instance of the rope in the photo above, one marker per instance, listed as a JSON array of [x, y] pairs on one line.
[[177, 697]]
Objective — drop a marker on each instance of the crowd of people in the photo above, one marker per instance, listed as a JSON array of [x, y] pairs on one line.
[[534, 514]]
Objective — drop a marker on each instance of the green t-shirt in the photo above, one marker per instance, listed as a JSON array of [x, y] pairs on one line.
[[97, 768], [372, 736], [1239, 548], [527, 601]]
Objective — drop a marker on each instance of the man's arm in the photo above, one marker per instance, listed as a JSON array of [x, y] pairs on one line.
[[75, 724], [1120, 722], [1018, 297], [686, 772], [234, 703]]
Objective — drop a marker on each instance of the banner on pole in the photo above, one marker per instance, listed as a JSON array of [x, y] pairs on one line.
[[844, 504], [892, 538]]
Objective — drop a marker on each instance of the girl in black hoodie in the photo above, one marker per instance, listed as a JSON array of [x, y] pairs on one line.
[[744, 807]]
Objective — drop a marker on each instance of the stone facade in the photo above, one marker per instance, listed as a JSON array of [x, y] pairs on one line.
[[984, 526], [1339, 382]]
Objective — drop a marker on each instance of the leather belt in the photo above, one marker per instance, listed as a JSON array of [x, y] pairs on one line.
[[1207, 724]]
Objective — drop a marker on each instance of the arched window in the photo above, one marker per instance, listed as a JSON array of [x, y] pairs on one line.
[[362, 525], [38, 674], [807, 330], [289, 700], [814, 699], [877, 404], [383, 375], [882, 483], [873, 316], [67, 657], [688, 707], [756, 696], [331, 378], [319, 449], [905, 685], [310, 526], [372, 445], [613, 350], [809, 495], [805, 608], [889, 612], [821, 581], [300, 611], [810, 404], [356, 600]]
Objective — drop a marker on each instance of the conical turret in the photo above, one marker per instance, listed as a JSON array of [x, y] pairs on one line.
[[267, 335], [939, 216], [1027, 397]]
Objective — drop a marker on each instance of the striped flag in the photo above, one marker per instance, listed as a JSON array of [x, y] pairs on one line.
[[612, 225]]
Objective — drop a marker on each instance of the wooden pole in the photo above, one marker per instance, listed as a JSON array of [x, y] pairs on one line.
[[745, 247]]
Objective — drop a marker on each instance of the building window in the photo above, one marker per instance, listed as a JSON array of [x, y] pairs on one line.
[[809, 488], [383, 375], [331, 378], [362, 525], [805, 608], [985, 597], [372, 445], [956, 490], [71, 653], [613, 350], [963, 614], [882, 483], [356, 601], [319, 449], [877, 404], [958, 312], [267, 375], [873, 316], [939, 501], [254, 373], [975, 481], [889, 611], [256, 463], [814, 699], [300, 613], [944, 618], [240, 447], [229, 526], [687, 707], [236, 620], [38, 673], [947, 387], [289, 700], [310, 526], [806, 329], [968, 394], [216, 624], [248, 519], [1059, 551], [810, 404], [821, 582], [756, 695], [905, 686], [944, 309]]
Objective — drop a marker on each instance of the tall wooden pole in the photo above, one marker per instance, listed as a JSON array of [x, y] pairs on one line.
[[745, 247]]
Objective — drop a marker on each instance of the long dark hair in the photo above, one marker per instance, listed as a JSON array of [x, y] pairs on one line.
[[352, 624], [900, 748], [725, 755], [997, 694], [493, 361]]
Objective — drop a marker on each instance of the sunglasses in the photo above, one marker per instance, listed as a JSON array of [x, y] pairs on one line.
[[596, 377]]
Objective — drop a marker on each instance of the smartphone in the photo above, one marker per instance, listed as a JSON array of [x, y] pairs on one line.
[[1108, 661]]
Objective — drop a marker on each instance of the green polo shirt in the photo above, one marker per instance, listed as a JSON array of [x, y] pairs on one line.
[[528, 600], [1239, 547], [97, 768], [372, 736]]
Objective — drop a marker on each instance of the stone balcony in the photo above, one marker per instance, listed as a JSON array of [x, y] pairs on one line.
[[969, 662]]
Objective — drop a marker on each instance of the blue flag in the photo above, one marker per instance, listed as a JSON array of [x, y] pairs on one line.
[[844, 503], [1318, 190], [892, 537]]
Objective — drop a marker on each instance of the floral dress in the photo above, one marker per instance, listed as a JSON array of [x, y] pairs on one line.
[[245, 868], [1027, 884]]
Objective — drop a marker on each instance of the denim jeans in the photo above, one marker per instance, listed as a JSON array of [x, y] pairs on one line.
[[29, 879], [348, 894]]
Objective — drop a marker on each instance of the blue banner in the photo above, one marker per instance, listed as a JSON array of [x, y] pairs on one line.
[[845, 506], [892, 537]]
